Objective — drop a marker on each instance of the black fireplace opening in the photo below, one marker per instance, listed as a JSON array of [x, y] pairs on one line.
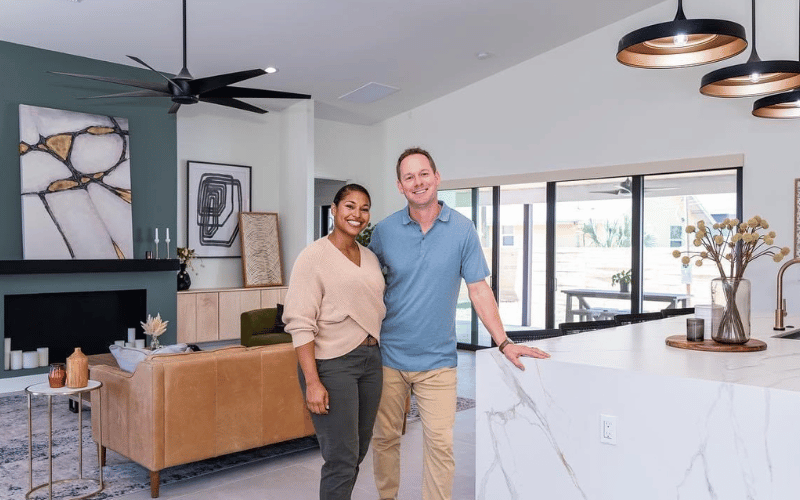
[[64, 321]]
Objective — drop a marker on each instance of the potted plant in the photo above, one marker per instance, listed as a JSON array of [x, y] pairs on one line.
[[365, 235], [623, 278], [185, 256]]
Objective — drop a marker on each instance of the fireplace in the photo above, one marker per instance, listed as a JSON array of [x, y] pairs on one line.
[[91, 320]]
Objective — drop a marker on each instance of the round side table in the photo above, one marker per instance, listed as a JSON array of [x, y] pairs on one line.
[[44, 389]]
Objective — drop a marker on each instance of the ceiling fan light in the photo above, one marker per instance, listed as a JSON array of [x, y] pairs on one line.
[[739, 81], [681, 43], [785, 105], [271, 69]]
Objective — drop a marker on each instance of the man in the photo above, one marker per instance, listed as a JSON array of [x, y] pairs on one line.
[[426, 249]]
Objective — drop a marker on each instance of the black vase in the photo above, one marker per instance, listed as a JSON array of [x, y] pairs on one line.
[[184, 281]]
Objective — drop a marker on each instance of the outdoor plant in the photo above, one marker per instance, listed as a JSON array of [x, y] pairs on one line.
[[621, 277], [365, 235]]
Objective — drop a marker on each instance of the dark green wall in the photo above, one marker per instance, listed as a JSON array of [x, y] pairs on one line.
[[153, 145]]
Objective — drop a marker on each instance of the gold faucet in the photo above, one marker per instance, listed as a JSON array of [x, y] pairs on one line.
[[780, 311]]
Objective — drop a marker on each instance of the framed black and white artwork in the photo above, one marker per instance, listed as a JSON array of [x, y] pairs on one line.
[[216, 194]]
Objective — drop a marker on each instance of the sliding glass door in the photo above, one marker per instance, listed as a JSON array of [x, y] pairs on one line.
[[593, 249]]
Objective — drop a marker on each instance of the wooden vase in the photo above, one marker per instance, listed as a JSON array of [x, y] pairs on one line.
[[77, 370]]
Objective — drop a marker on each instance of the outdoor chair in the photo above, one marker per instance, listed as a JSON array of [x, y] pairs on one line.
[[586, 326], [528, 335], [628, 319], [668, 313]]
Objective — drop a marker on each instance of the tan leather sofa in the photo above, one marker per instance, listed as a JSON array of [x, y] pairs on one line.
[[179, 408]]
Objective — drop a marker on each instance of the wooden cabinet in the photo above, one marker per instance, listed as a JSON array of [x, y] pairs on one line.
[[207, 315]]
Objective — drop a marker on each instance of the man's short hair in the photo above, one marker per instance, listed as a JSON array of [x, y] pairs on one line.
[[414, 151]]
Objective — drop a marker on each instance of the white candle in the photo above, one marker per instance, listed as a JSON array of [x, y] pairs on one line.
[[131, 334], [7, 351], [120, 343], [140, 343], [16, 360], [168, 233], [129, 344], [30, 359], [44, 356], [156, 234]]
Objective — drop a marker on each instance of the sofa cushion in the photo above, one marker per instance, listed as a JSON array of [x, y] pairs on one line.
[[129, 357]]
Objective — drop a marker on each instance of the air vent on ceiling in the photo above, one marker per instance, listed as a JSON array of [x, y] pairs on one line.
[[368, 93]]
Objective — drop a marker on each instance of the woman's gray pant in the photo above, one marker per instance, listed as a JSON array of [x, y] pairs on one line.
[[354, 383]]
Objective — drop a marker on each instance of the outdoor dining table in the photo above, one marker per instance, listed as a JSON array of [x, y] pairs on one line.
[[585, 312]]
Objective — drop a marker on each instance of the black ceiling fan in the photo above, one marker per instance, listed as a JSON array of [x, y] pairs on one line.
[[184, 89], [625, 187]]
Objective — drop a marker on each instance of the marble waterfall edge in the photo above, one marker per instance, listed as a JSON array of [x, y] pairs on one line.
[[538, 431]]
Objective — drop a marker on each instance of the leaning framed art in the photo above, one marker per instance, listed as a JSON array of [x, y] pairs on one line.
[[216, 194], [261, 249]]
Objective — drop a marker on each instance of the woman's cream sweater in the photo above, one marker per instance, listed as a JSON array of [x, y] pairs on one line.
[[332, 301]]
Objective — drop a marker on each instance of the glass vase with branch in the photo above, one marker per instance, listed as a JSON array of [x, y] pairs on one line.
[[731, 245]]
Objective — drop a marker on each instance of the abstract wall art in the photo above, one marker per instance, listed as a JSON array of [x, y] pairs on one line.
[[216, 194], [75, 185], [261, 249]]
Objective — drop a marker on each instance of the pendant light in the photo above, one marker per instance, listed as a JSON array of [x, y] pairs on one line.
[[784, 105], [681, 42], [755, 77]]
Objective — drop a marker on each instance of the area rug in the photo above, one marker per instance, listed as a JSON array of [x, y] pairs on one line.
[[121, 476], [461, 404]]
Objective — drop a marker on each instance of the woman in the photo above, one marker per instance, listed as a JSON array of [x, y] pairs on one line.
[[334, 308]]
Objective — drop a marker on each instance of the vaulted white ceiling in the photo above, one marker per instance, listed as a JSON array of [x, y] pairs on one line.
[[325, 48]]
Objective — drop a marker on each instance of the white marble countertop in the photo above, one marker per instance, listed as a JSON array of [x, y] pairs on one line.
[[641, 347]]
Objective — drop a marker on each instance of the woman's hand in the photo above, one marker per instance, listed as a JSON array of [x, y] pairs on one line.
[[317, 398]]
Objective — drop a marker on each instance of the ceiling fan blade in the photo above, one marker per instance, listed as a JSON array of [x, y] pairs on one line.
[[158, 87], [174, 108], [233, 103], [151, 69], [203, 85], [135, 93], [248, 92], [613, 191]]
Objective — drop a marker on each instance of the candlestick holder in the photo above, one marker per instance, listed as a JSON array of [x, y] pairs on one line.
[[157, 241], [167, 240]]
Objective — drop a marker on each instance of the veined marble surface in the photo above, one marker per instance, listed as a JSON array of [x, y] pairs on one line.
[[689, 424]]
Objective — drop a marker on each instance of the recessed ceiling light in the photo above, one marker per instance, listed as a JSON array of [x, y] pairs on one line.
[[483, 55], [270, 70]]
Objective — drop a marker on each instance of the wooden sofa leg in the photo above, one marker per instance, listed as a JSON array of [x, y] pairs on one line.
[[155, 478], [102, 451]]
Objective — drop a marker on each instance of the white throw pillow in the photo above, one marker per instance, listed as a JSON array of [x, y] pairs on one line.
[[128, 357]]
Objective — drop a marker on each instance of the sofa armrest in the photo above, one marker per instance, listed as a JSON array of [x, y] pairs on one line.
[[258, 328], [130, 422]]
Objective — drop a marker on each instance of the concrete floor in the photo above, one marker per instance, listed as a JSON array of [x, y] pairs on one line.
[[296, 476]]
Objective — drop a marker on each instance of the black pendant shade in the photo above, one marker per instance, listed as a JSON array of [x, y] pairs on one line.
[[681, 43], [753, 78], [785, 105]]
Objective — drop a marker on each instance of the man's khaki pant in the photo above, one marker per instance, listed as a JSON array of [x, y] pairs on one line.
[[435, 391]]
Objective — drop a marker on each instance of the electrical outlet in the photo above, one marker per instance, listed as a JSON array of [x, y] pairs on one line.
[[608, 429]]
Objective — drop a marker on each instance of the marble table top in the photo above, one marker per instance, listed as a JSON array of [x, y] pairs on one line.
[[641, 347]]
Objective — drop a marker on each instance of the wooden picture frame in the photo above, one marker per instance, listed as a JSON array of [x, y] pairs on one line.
[[262, 263], [215, 195]]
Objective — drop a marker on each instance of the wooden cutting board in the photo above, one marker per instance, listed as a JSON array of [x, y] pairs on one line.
[[680, 342]]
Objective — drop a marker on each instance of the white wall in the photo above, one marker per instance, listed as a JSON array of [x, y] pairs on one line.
[[351, 153], [577, 107], [296, 182], [216, 134]]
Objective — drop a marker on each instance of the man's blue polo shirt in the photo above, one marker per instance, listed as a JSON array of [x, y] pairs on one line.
[[423, 277]]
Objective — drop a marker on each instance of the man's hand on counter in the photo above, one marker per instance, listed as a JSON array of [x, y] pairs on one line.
[[514, 351]]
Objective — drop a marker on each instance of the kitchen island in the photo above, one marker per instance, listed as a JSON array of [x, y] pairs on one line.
[[686, 424]]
